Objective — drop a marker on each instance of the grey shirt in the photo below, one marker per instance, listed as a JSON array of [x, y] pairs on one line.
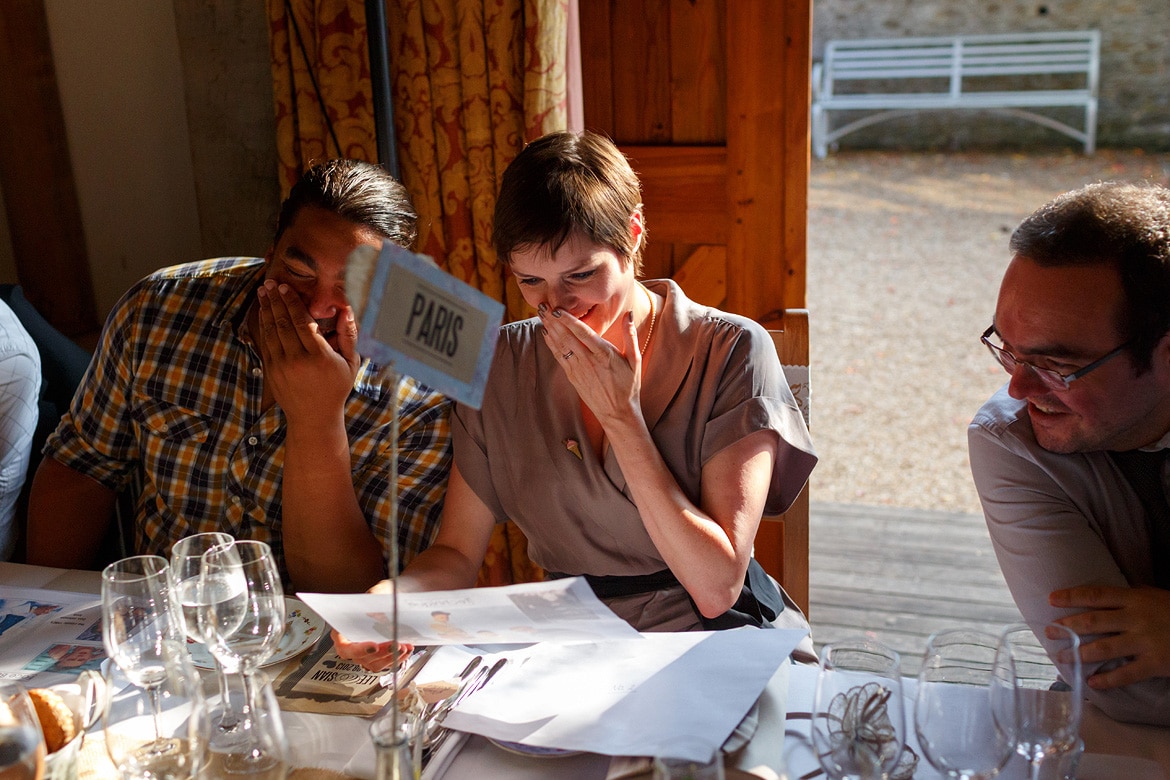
[[713, 379], [1061, 521]]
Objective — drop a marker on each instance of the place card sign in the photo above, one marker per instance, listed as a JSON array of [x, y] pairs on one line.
[[426, 323]]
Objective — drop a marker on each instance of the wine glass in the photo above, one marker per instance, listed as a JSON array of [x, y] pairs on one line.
[[241, 612], [1048, 698], [964, 713], [186, 567], [264, 750], [139, 618], [22, 747], [173, 707], [858, 719]]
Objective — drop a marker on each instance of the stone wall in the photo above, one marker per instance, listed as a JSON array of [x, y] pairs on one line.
[[1134, 107]]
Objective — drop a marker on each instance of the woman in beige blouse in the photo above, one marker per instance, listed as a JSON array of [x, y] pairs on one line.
[[635, 436]]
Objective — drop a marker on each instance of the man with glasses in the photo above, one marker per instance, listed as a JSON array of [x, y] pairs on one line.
[[1068, 456]]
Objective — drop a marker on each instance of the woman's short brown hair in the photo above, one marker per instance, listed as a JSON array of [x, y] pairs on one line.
[[566, 183]]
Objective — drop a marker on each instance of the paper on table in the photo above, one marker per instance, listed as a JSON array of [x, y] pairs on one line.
[[562, 610], [675, 688], [48, 636]]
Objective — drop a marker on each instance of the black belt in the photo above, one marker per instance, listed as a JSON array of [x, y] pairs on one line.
[[612, 586], [759, 602]]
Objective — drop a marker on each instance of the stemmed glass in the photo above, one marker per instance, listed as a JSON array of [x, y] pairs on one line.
[[263, 750], [138, 621], [1048, 698], [964, 713], [186, 568], [858, 718], [241, 612], [22, 748], [175, 707]]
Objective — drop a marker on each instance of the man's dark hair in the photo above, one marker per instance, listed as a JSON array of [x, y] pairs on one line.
[[1114, 223], [361, 192]]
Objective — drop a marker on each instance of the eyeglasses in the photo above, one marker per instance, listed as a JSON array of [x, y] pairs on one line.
[[1053, 380]]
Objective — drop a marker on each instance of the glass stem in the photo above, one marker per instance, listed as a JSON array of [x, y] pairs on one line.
[[229, 720], [250, 710], [156, 710]]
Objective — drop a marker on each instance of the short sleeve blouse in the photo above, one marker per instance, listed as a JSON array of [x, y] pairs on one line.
[[714, 378]]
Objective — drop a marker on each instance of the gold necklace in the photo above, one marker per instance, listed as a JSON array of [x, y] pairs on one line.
[[653, 318]]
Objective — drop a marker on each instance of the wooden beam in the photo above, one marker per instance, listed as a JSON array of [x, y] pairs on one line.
[[767, 129], [36, 174]]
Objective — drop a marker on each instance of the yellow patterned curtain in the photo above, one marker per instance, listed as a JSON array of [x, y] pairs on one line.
[[320, 67], [471, 82]]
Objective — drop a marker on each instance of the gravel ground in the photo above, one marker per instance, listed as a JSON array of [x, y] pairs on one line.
[[905, 254]]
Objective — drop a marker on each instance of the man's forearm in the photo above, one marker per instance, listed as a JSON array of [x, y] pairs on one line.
[[69, 514], [328, 545]]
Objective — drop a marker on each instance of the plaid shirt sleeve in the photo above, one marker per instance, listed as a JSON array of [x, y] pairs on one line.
[[424, 462], [96, 436]]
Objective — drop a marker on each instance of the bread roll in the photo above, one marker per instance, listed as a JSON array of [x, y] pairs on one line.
[[55, 716]]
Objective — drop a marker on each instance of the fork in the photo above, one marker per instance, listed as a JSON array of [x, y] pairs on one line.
[[435, 734]]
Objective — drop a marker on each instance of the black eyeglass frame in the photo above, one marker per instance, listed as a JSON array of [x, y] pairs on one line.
[[1051, 378]]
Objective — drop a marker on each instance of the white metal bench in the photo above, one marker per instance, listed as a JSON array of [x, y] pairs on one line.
[[1006, 73]]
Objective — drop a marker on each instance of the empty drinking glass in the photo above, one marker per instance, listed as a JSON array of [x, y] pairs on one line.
[[1048, 699], [858, 718], [242, 613], [140, 621], [964, 709], [186, 567], [157, 733], [261, 749]]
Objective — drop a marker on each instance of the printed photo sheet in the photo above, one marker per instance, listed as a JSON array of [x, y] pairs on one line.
[[559, 611], [49, 636]]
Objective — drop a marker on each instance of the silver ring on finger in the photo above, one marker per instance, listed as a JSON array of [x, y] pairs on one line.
[[568, 354]]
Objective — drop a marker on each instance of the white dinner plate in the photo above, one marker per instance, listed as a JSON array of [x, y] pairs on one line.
[[302, 628]]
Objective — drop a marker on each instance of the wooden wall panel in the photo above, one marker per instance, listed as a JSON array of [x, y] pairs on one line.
[[641, 71], [685, 189], [597, 66], [698, 72], [797, 91]]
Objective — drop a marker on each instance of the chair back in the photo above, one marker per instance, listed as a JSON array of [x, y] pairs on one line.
[[63, 364], [782, 540]]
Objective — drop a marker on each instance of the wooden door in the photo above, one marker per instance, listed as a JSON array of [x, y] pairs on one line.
[[710, 100]]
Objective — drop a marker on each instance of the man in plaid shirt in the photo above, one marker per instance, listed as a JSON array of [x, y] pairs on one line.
[[234, 388]]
